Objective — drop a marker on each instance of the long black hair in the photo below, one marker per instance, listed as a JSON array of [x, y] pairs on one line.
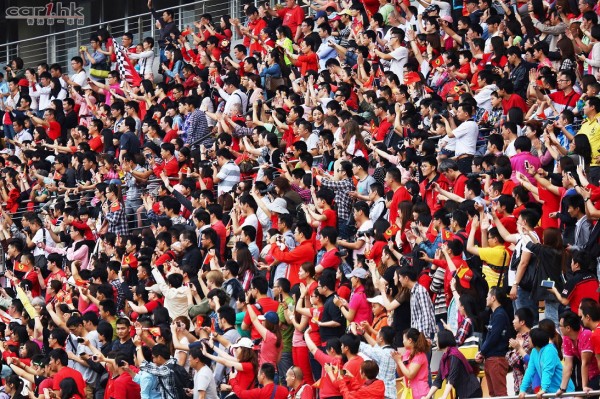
[[68, 387]]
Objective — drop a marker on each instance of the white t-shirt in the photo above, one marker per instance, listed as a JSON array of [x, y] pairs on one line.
[[466, 138], [204, 381], [251, 220], [311, 141], [38, 238], [400, 56], [80, 77], [363, 227]]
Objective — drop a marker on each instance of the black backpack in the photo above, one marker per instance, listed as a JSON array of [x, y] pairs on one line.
[[182, 381]]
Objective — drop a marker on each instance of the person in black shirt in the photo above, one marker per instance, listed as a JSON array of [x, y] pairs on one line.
[[129, 143], [124, 344], [332, 321]]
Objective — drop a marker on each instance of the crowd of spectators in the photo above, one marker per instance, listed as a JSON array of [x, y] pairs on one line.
[[340, 198]]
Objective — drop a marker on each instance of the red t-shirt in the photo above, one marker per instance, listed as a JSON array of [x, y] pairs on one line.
[[508, 187], [327, 388], [292, 17], [458, 187], [515, 100], [267, 305], [330, 259], [54, 131], [96, 144], [68, 372], [125, 388], [562, 101], [400, 195], [384, 127], [219, 227], [170, 135]]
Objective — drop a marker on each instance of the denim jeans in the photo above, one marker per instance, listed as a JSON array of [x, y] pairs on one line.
[[551, 311]]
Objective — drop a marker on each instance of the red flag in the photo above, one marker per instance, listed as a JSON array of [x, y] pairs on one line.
[[125, 67], [438, 62]]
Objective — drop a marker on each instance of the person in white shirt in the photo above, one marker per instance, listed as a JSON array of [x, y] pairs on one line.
[[231, 93], [466, 136], [326, 50], [79, 77], [484, 96], [304, 131], [41, 92], [398, 57], [146, 58], [205, 386]]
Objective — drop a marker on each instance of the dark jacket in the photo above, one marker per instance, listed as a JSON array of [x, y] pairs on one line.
[[496, 338], [465, 384]]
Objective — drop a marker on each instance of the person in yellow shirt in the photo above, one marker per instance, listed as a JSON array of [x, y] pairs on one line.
[[591, 128], [492, 252]]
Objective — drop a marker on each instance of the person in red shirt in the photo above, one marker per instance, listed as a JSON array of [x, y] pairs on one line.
[[56, 273], [308, 60], [262, 303], [427, 186], [393, 179], [294, 379], [265, 377], [292, 15], [380, 110], [123, 385], [304, 252], [170, 165], [330, 355], [96, 143], [506, 91], [53, 128], [255, 25], [583, 283], [330, 258], [457, 180], [58, 364]]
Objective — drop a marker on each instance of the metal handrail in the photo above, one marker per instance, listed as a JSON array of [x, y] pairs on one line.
[[552, 395], [106, 23], [60, 47]]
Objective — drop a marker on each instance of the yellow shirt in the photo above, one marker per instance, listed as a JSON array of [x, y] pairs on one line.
[[591, 128], [495, 256]]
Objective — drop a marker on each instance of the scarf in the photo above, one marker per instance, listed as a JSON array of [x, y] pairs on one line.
[[445, 362]]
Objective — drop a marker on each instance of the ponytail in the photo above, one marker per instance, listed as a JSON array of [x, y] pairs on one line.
[[421, 345]]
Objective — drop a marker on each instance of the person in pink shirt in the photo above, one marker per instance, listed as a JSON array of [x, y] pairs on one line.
[[520, 161], [577, 343], [358, 309], [413, 364]]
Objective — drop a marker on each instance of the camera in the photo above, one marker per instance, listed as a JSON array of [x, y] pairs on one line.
[[490, 172], [366, 233], [546, 123], [148, 156]]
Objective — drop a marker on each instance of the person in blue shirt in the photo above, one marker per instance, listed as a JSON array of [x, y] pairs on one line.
[[545, 364]]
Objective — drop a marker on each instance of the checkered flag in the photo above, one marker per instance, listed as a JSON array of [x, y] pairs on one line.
[[125, 67]]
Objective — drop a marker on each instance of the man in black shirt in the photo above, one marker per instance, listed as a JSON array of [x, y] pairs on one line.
[[129, 141], [332, 321], [123, 343]]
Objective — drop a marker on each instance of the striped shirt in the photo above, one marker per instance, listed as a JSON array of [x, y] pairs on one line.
[[229, 176]]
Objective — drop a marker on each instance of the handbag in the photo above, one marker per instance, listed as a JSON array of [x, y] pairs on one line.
[[272, 83], [100, 70], [405, 392]]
